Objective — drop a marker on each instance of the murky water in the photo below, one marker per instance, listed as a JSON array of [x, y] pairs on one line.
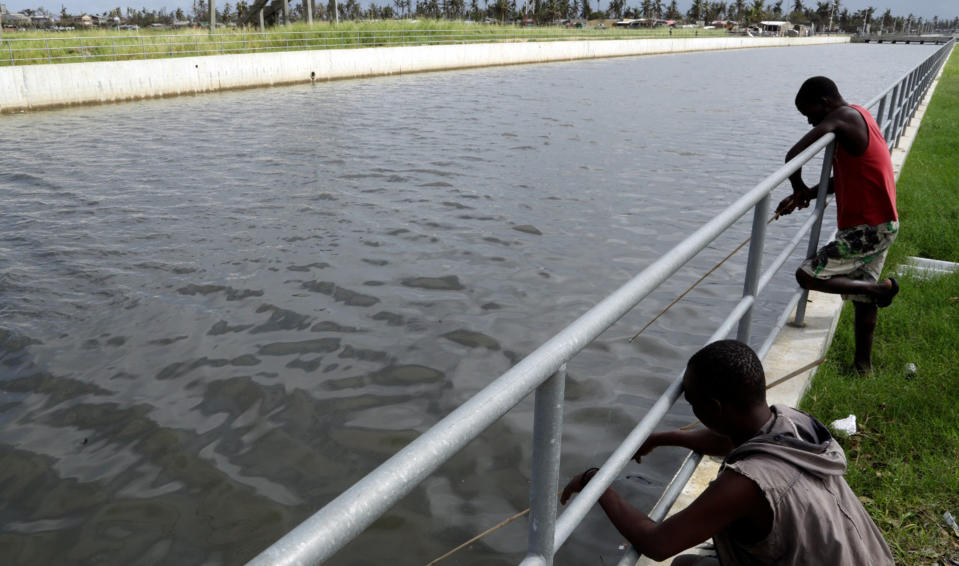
[[216, 313]]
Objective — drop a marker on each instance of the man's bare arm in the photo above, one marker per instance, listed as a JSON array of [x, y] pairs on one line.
[[703, 441], [851, 132], [729, 498], [828, 125]]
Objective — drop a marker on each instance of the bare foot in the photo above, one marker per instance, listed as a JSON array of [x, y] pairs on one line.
[[893, 290]]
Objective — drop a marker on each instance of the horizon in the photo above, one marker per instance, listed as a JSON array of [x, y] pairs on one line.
[[926, 9]]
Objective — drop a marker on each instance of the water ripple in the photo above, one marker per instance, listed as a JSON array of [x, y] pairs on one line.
[[212, 325]]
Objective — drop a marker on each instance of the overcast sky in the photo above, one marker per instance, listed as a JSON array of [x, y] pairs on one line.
[[945, 9]]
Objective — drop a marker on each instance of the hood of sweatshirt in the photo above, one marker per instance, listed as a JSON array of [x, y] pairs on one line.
[[797, 438]]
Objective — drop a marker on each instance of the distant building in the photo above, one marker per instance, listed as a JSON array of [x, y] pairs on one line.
[[15, 20], [727, 25], [41, 20], [775, 28]]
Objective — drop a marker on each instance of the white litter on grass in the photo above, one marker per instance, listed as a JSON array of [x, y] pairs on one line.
[[846, 425], [925, 268], [951, 521]]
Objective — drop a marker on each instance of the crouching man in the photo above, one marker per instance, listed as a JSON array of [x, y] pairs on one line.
[[780, 496]]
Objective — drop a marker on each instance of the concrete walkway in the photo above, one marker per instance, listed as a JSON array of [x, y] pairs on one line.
[[796, 347]]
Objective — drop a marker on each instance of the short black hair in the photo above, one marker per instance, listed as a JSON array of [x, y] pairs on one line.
[[729, 371], [816, 88]]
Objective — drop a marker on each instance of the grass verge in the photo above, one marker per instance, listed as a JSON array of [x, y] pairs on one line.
[[904, 464], [38, 47]]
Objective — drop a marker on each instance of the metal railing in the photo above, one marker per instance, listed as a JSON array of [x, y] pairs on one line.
[[544, 371], [54, 49]]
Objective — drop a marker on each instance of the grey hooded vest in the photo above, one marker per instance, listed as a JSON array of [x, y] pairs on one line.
[[817, 519]]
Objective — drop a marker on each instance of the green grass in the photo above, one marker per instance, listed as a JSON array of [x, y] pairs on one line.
[[38, 47], [905, 463]]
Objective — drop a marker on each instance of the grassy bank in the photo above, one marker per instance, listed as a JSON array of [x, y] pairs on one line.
[[905, 463], [38, 47]]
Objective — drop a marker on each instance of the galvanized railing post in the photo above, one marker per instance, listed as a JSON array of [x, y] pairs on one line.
[[913, 91], [754, 264], [49, 57], [817, 226], [907, 105], [893, 116], [882, 112], [904, 94], [547, 437]]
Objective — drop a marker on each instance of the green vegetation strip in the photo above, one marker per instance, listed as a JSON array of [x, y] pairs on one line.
[[904, 463], [37, 47]]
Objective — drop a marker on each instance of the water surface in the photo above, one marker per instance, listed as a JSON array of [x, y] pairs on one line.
[[218, 312]]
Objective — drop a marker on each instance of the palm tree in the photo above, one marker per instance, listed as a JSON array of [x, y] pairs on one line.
[[719, 10], [695, 12], [778, 9], [646, 8], [886, 17], [740, 8], [673, 13], [835, 10], [756, 12]]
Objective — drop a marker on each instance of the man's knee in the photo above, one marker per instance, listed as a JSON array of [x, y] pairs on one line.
[[804, 279]]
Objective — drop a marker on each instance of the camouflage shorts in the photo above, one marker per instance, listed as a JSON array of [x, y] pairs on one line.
[[856, 253]]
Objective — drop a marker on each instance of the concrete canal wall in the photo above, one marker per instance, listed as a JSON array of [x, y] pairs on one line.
[[32, 87]]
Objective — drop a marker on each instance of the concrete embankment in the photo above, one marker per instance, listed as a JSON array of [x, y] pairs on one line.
[[33, 87]]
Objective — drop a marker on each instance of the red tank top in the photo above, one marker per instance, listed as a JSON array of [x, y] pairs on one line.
[[865, 184]]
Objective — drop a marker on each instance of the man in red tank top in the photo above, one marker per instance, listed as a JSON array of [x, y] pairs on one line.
[[865, 189]]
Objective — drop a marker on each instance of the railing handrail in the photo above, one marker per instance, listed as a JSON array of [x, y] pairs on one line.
[[326, 531]]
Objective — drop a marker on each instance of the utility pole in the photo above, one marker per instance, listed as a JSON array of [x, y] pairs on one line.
[[212, 16], [308, 6]]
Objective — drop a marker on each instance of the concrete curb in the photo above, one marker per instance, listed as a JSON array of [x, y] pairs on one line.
[[33, 87], [796, 347]]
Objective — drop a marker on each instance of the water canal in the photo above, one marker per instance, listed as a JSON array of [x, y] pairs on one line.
[[217, 312]]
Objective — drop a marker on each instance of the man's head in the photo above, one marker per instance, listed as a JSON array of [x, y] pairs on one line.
[[724, 381], [817, 97]]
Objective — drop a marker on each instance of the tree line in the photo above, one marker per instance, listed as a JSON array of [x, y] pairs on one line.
[[827, 15]]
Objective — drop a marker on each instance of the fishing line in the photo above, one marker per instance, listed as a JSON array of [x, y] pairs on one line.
[[525, 512], [698, 281]]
